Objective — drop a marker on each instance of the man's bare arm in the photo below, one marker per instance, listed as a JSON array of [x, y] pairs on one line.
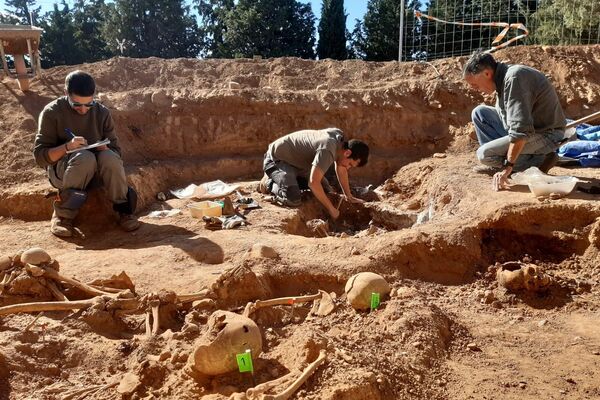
[[316, 175]]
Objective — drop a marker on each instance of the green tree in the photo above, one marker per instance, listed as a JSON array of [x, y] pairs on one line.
[[332, 31], [212, 15], [377, 36], [445, 40], [562, 22], [146, 28], [18, 12], [270, 28], [58, 45], [88, 17]]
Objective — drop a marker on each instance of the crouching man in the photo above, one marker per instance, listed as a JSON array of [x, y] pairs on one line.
[[70, 123], [306, 156], [527, 124]]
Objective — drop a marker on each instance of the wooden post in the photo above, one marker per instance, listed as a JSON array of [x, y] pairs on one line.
[[31, 61], [4, 63]]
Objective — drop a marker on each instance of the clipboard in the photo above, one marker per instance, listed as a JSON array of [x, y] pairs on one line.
[[90, 146]]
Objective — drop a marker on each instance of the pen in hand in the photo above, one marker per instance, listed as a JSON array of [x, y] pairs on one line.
[[76, 141]]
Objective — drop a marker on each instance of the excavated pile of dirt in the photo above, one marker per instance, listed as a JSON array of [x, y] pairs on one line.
[[433, 228]]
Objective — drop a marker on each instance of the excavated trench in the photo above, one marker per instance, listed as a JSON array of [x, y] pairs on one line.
[[356, 219], [179, 122]]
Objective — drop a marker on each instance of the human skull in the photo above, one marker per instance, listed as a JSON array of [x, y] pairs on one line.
[[360, 286], [228, 334], [534, 279], [35, 256], [522, 276]]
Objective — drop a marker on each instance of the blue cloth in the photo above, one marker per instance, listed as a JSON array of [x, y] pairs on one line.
[[587, 132], [586, 150]]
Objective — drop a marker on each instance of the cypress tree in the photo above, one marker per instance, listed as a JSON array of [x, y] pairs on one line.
[[332, 31]]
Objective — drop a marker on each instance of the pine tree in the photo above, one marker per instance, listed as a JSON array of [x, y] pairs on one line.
[[18, 12], [560, 22], [88, 17], [270, 28], [213, 26], [58, 46], [377, 37], [445, 40], [332, 31], [146, 28]]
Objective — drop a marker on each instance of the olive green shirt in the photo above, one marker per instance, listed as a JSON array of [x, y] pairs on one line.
[[306, 148], [96, 125]]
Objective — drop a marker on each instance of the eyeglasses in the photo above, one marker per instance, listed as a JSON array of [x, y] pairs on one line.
[[75, 104]]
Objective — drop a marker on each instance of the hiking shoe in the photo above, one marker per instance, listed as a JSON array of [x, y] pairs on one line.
[[549, 161], [262, 185], [61, 227], [485, 169], [128, 222]]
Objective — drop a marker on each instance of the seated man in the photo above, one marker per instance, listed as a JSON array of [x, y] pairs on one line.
[[71, 122], [309, 154], [526, 126]]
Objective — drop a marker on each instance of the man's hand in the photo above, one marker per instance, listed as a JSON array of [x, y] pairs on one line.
[[102, 148], [500, 180], [353, 199], [76, 142]]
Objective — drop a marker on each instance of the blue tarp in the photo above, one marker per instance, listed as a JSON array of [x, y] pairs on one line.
[[587, 132], [586, 150]]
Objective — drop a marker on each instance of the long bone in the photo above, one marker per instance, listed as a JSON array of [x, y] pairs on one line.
[[253, 306], [307, 373], [51, 273], [256, 392], [46, 306], [110, 303]]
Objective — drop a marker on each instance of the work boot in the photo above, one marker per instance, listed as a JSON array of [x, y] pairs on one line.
[[262, 185], [128, 222], [61, 227], [549, 161]]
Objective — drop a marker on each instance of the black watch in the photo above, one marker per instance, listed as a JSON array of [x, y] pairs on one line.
[[507, 163]]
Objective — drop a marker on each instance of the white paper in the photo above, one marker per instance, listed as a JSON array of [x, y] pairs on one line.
[[164, 213], [214, 189], [90, 146], [184, 193], [208, 190]]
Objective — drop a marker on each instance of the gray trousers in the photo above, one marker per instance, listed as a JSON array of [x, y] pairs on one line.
[[76, 171], [283, 181], [286, 182], [494, 141]]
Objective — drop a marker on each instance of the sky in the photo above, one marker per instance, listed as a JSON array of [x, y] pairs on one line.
[[354, 8]]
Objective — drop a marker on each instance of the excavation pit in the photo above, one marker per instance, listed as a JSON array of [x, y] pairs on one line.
[[356, 219]]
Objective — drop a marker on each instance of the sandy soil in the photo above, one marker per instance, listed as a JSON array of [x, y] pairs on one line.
[[447, 332]]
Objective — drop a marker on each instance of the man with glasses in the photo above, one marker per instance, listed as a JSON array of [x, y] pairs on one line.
[[525, 127], [74, 122]]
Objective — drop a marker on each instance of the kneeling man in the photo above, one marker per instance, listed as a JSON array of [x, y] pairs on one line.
[[309, 154], [527, 124]]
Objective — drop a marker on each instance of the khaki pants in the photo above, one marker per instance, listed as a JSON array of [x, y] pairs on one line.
[[76, 171]]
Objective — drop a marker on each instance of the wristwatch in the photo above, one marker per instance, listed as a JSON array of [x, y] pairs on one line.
[[507, 163]]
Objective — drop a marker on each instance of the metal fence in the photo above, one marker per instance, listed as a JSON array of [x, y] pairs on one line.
[[457, 27]]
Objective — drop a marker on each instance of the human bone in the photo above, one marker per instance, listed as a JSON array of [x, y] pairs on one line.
[[360, 287], [228, 334], [527, 276], [35, 256]]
